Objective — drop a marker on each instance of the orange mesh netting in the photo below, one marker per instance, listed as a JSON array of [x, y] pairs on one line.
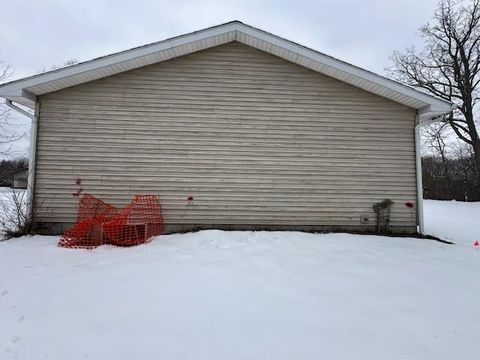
[[137, 223], [91, 207], [100, 223], [87, 231]]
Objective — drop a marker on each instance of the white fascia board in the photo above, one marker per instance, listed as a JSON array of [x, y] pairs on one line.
[[237, 29], [28, 96], [428, 112], [344, 67], [22, 97], [11, 89]]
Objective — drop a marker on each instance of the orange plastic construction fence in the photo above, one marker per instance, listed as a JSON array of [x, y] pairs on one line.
[[87, 231], [99, 223], [137, 223]]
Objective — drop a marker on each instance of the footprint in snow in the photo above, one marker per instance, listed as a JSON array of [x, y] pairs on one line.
[[4, 292], [14, 339], [20, 319], [36, 266]]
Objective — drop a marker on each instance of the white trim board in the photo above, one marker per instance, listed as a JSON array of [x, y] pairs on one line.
[[24, 91]]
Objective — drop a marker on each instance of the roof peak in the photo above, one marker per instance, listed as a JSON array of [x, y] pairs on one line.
[[25, 90]]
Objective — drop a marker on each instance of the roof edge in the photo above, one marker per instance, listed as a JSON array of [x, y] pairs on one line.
[[77, 65], [18, 90]]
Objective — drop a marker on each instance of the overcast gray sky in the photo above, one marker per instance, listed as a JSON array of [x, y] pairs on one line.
[[37, 34]]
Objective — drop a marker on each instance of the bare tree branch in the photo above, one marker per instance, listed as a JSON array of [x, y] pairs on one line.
[[7, 137], [449, 65]]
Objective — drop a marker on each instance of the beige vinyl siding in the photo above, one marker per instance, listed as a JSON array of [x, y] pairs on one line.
[[253, 138]]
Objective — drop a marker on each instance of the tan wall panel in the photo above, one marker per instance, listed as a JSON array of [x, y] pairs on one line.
[[255, 139]]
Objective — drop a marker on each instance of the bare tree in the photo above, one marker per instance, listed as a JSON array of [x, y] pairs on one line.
[[449, 65], [7, 137], [435, 136]]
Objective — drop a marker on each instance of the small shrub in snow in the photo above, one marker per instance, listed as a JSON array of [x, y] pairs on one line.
[[382, 209], [14, 218]]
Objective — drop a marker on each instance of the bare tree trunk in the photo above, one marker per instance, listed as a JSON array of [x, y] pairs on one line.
[[446, 171], [476, 151], [435, 136]]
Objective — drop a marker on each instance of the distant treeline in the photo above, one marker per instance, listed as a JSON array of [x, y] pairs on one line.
[[10, 167], [450, 178]]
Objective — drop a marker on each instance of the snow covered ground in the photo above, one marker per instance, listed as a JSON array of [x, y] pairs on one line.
[[453, 220], [247, 295]]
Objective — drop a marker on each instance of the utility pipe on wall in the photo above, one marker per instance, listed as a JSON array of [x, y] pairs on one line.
[[418, 171], [32, 152], [418, 163]]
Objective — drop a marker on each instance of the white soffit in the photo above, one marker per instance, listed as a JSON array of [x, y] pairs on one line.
[[24, 91]]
